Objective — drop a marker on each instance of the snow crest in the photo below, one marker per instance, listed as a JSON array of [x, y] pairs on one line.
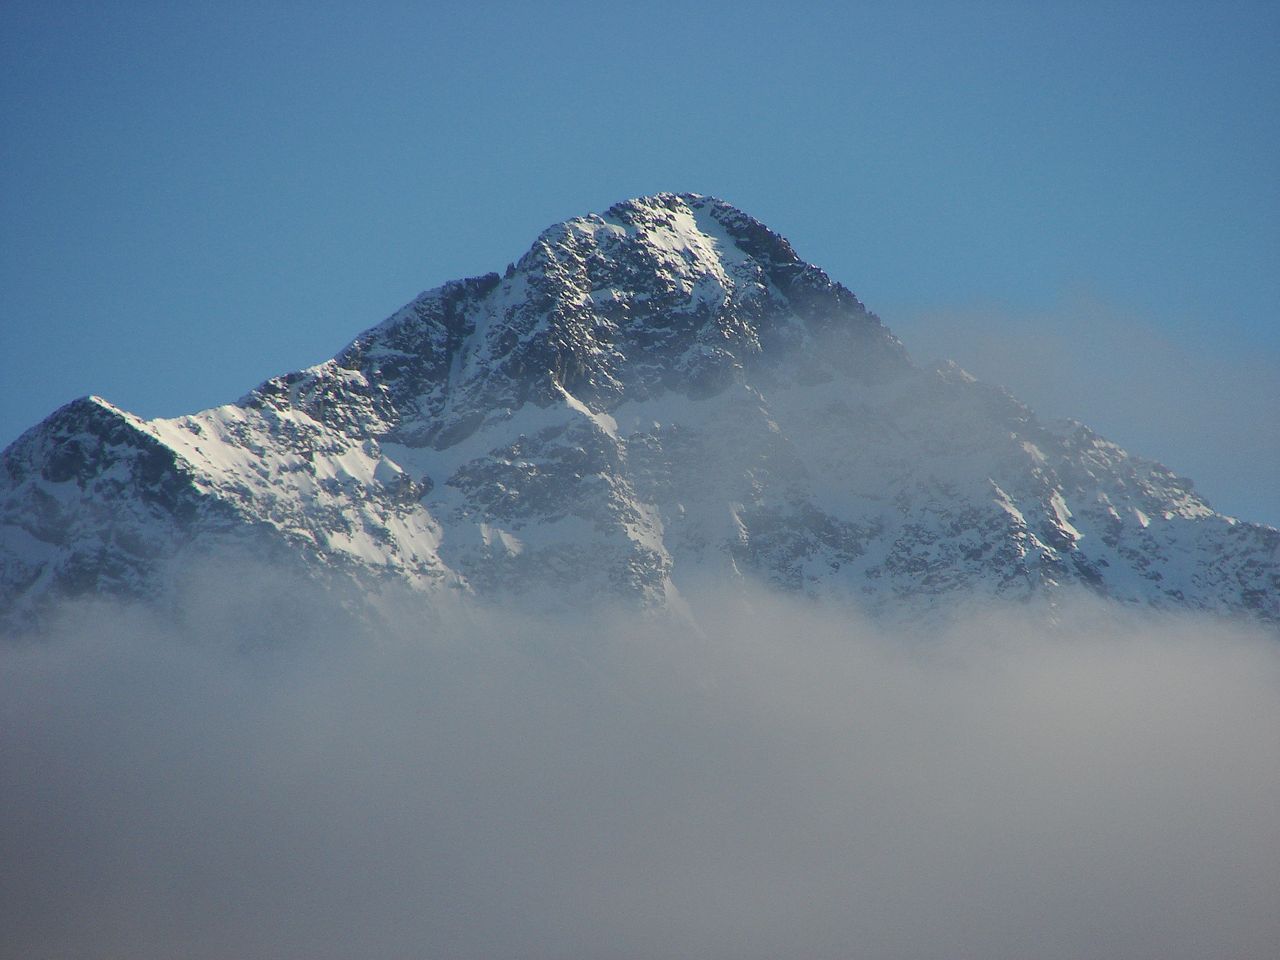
[[649, 397]]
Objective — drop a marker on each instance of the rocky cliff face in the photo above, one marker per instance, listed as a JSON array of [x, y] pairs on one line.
[[658, 396]]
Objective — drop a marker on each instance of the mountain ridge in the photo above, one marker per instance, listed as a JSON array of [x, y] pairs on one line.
[[656, 394]]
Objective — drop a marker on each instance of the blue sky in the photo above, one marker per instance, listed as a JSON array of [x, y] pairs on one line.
[[1080, 201]]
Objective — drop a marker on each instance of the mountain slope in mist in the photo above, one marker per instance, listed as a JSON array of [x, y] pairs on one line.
[[649, 400]]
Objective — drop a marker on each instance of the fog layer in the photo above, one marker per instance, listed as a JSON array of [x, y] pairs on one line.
[[268, 779]]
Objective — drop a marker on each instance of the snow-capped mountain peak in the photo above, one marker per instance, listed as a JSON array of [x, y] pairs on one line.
[[655, 395]]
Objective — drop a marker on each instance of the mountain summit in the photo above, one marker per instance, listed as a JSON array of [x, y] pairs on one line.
[[658, 396]]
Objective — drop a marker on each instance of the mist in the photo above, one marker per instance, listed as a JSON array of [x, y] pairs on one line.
[[257, 773], [1178, 394]]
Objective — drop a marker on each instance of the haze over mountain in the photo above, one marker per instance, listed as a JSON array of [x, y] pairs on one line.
[[648, 401]]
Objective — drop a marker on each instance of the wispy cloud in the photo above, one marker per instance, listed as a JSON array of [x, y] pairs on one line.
[[1205, 408]]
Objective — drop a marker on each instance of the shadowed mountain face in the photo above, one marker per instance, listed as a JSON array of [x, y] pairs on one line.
[[649, 400]]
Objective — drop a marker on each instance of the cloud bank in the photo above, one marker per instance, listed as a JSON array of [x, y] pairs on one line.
[[261, 776]]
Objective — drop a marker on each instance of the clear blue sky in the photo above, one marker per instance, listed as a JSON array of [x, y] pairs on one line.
[[196, 196]]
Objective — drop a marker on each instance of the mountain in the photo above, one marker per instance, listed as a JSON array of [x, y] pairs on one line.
[[650, 400]]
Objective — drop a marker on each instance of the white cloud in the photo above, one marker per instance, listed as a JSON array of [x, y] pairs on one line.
[[790, 783]]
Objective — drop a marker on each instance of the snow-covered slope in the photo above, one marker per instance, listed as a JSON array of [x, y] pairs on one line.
[[659, 396]]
